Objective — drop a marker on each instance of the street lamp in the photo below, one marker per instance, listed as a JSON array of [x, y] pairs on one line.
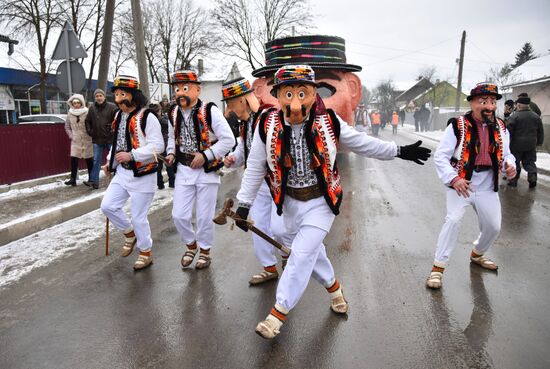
[[10, 42], [29, 96]]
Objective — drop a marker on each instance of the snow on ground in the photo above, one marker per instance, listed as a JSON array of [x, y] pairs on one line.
[[57, 183], [20, 257], [24, 191], [42, 212]]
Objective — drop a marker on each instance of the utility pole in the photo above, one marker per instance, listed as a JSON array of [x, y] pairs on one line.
[[106, 45], [460, 65], [140, 47]]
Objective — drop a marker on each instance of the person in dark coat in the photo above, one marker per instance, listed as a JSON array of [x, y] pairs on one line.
[[402, 116], [526, 133], [416, 116], [164, 122], [508, 110], [98, 125], [424, 118], [534, 107]]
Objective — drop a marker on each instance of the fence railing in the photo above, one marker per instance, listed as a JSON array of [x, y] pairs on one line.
[[29, 151]]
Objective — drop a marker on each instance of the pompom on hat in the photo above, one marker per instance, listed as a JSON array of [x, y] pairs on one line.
[[125, 82], [484, 89], [235, 88], [184, 76]]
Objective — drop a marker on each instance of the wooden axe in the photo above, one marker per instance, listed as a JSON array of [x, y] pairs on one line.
[[226, 211]]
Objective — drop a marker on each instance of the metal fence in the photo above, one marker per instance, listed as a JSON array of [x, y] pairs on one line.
[[29, 151]]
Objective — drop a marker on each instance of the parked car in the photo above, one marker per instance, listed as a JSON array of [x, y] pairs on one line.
[[42, 118]]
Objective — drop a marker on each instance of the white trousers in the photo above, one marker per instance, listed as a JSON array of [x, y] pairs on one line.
[[264, 214], [186, 197], [113, 201], [487, 206], [309, 256]]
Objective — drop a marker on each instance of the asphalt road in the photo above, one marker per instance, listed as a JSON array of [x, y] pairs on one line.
[[91, 311]]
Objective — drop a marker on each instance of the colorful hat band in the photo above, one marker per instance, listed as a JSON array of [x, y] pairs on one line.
[[484, 89], [304, 44], [236, 88], [186, 76], [125, 82], [317, 51], [294, 74]]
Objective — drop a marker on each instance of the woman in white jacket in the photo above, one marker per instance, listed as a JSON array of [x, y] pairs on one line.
[[81, 142]]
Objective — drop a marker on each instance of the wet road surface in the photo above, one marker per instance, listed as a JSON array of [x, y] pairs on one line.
[[89, 311]]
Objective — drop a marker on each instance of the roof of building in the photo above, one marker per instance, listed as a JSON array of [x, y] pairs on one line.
[[418, 88], [533, 71]]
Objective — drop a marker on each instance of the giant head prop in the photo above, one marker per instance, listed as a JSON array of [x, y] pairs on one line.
[[483, 101], [239, 99], [187, 87], [127, 94], [337, 85]]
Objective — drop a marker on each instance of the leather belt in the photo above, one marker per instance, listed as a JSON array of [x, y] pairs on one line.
[[482, 168], [185, 158], [304, 193]]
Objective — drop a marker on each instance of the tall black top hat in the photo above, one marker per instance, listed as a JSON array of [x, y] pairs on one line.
[[326, 52]]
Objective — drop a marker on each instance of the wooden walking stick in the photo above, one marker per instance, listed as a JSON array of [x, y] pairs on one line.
[[107, 221], [221, 218]]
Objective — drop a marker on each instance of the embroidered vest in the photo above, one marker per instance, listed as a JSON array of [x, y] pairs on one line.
[[202, 121], [468, 145], [322, 132], [135, 138]]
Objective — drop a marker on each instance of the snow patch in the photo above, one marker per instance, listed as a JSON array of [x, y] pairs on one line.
[[20, 257]]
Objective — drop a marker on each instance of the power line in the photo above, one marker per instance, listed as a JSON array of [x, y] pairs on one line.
[[409, 52]]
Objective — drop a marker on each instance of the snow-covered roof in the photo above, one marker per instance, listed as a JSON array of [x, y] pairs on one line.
[[535, 69]]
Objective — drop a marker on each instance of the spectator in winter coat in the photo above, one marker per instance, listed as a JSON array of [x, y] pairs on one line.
[[534, 107], [98, 125], [394, 122], [526, 133], [81, 142]]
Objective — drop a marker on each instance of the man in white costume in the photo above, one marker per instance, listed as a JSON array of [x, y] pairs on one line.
[[137, 139], [295, 149], [198, 138], [472, 152], [240, 101]]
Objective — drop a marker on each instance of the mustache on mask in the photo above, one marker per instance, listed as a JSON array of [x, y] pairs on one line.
[[303, 109], [488, 119], [184, 97], [126, 102]]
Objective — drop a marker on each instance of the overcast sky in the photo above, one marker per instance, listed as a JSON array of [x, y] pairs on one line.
[[397, 38]]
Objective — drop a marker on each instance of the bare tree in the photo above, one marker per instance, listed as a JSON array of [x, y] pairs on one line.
[[151, 40], [246, 25], [385, 95], [428, 73], [87, 17], [176, 34], [503, 76], [121, 53], [33, 19], [281, 16]]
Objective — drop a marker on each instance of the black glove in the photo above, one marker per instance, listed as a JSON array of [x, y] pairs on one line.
[[242, 213], [414, 152]]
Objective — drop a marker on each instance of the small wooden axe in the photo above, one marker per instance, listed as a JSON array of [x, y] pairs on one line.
[[226, 211]]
